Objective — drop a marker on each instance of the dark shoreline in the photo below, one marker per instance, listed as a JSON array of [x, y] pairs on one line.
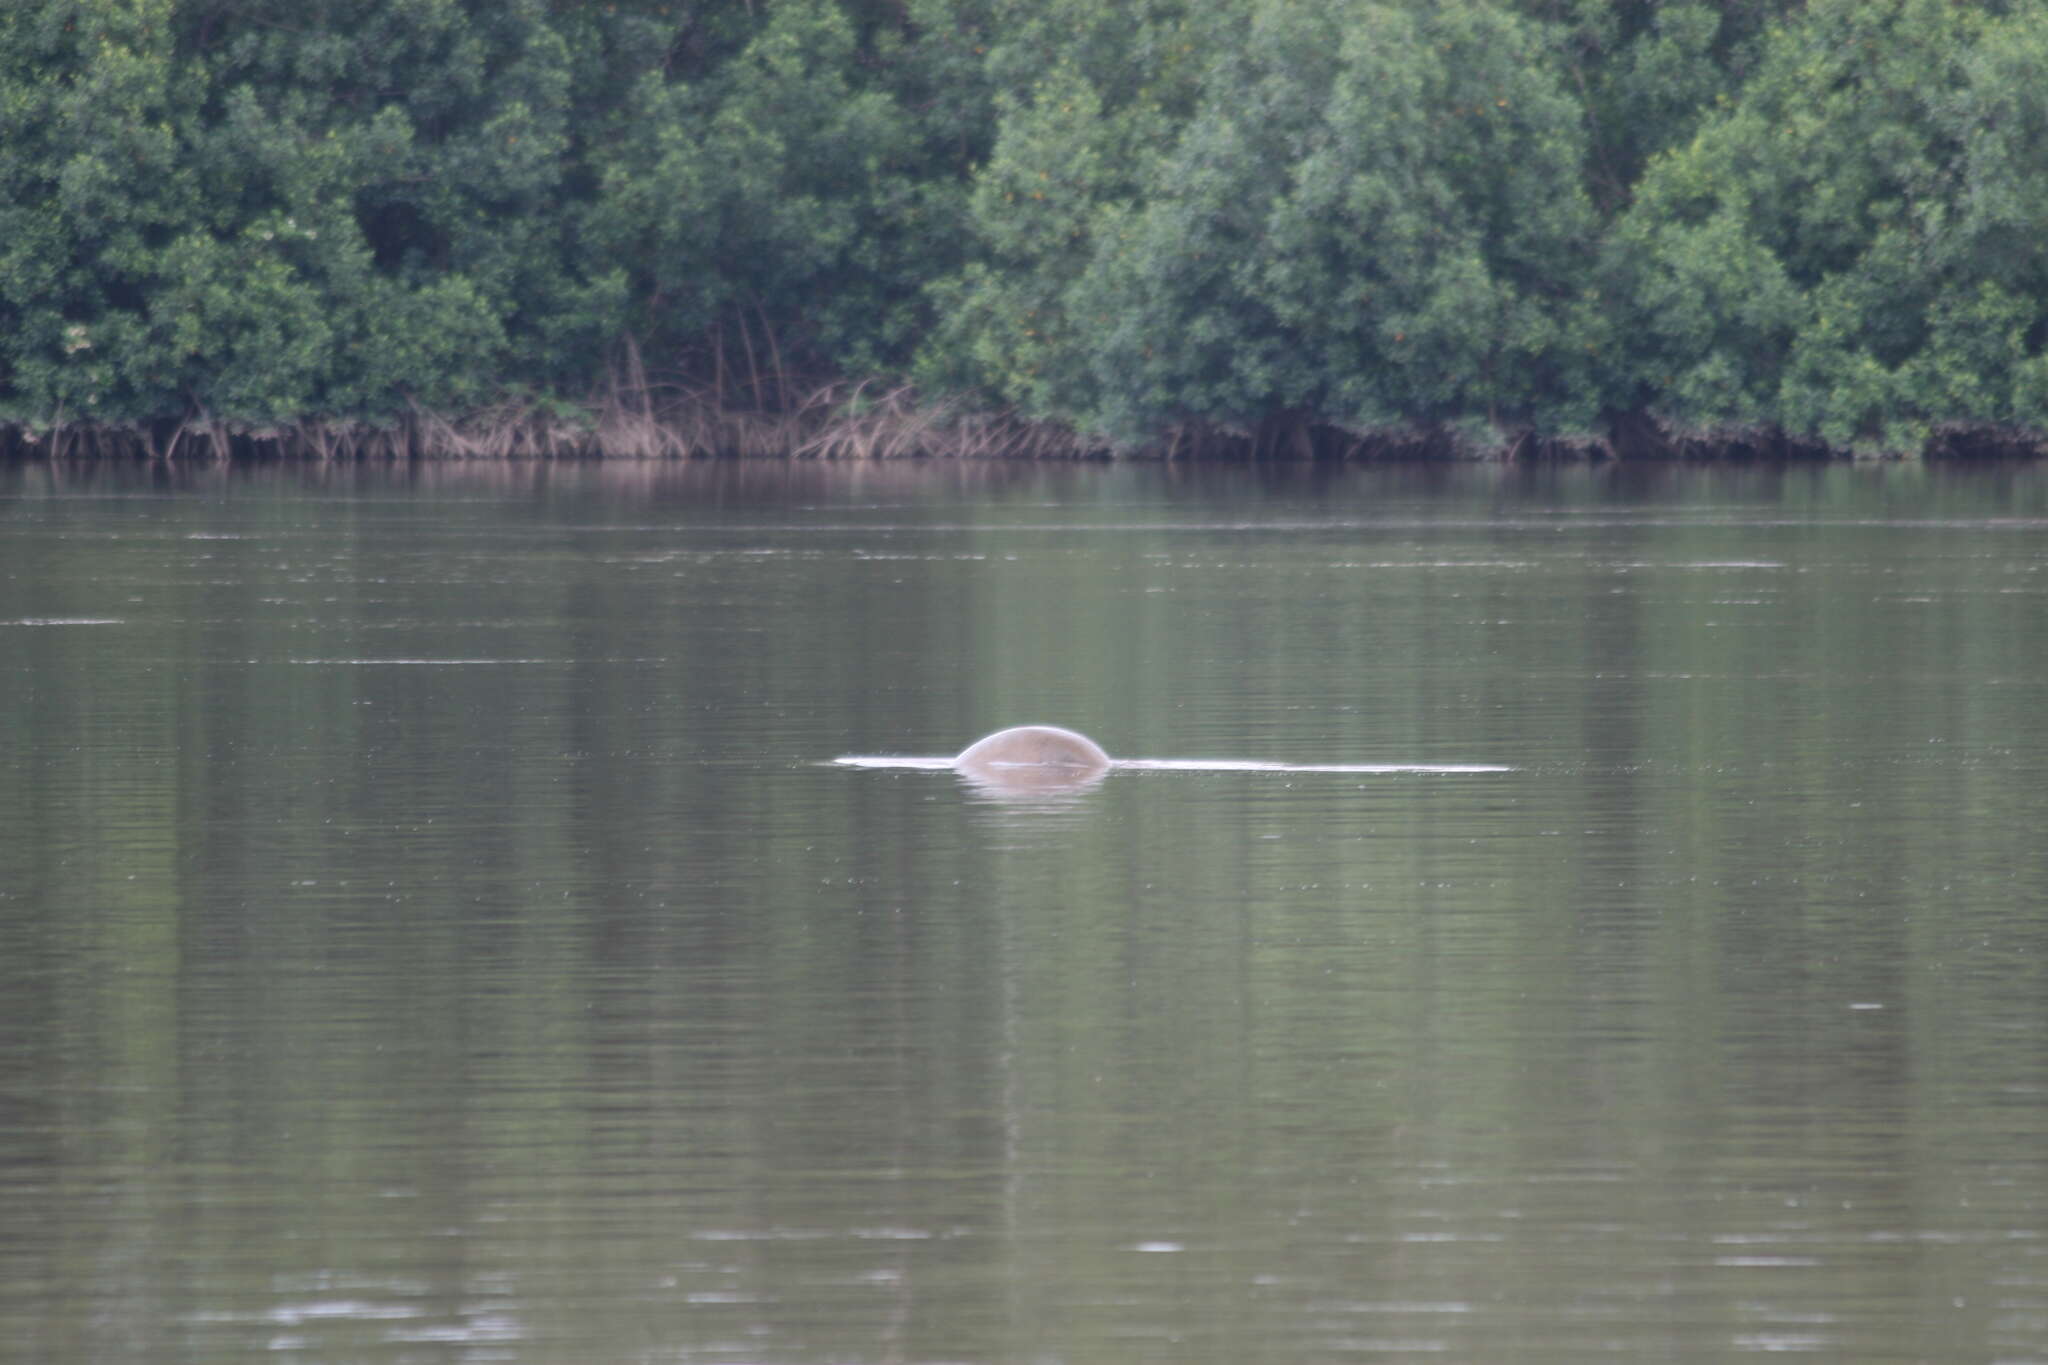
[[837, 425]]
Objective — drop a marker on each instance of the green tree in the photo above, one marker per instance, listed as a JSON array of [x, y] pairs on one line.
[[92, 185], [420, 150], [1085, 97], [779, 212], [260, 211], [1645, 72], [1843, 252], [1368, 217], [208, 212]]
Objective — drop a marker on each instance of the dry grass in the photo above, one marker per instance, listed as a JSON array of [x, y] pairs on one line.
[[630, 418], [635, 417]]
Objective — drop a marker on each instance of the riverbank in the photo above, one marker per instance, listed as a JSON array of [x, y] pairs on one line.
[[860, 422], [1497, 230]]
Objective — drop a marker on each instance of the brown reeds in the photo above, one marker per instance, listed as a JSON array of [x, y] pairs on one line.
[[635, 415], [631, 417]]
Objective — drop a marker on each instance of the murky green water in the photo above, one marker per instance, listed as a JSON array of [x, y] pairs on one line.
[[431, 928]]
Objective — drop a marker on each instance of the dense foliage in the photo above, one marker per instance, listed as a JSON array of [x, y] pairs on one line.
[[1275, 220]]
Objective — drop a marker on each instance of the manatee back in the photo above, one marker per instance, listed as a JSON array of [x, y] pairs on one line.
[[1034, 746]]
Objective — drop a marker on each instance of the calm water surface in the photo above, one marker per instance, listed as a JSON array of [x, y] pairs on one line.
[[432, 927]]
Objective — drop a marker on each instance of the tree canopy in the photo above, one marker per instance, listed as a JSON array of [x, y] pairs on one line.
[[1266, 221]]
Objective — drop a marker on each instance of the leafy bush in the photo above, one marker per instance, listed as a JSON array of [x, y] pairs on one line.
[[1258, 218]]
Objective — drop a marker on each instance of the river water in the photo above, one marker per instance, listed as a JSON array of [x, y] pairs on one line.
[[433, 926]]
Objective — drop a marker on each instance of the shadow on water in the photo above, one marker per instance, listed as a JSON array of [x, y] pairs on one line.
[[1039, 790], [2009, 485]]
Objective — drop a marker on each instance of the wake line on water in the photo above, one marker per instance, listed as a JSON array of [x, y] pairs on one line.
[[1246, 765], [1195, 765]]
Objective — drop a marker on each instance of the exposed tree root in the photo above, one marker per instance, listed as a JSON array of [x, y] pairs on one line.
[[635, 418]]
